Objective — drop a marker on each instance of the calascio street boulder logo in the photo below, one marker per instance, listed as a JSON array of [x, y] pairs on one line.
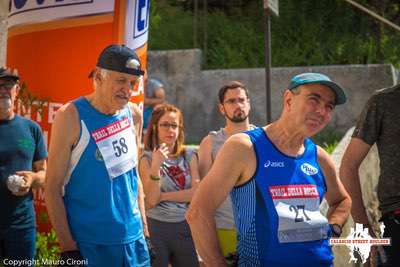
[[359, 241]]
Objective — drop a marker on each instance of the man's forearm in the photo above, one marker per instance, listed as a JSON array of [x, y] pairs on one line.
[[39, 178], [58, 218], [204, 234], [142, 207], [351, 181], [339, 213]]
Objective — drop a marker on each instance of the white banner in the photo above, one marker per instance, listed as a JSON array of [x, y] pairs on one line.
[[36, 11], [137, 23]]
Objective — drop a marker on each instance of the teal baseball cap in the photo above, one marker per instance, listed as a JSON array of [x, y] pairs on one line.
[[311, 77]]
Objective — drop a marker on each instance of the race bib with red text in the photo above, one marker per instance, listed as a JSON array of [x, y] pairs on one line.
[[117, 145], [298, 211]]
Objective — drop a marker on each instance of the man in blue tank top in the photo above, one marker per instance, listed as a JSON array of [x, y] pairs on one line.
[[277, 178], [93, 194]]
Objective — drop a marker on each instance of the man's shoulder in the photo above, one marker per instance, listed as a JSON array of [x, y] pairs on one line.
[[215, 132], [387, 92], [384, 99], [67, 115], [240, 141], [26, 121]]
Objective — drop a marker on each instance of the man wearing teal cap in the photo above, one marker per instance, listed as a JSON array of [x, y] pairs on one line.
[[277, 178]]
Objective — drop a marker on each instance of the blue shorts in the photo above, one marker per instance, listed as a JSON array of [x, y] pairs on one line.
[[134, 254], [17, 244]]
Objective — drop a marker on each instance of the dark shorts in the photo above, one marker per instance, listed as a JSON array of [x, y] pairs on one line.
[[17, 247]]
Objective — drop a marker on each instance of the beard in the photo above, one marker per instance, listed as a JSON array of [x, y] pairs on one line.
[[237, 118], [5, 103]]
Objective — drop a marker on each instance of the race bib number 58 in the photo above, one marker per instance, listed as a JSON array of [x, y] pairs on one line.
[[117, 145]]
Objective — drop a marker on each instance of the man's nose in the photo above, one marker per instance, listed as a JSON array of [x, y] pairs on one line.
[[127, 88], [323, 109]]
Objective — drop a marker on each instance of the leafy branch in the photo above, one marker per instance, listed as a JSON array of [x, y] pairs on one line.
[[27, 101]]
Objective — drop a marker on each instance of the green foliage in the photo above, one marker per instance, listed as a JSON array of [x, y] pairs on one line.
[[307, 32], [28, 102], [235, 45], [330, 147], [47, 247], [170, 27], [328, 139]]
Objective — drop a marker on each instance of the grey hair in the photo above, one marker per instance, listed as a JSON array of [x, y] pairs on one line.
[[296, 90], [104, 73]]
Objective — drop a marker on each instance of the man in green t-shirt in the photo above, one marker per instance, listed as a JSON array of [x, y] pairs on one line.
[[22, 167]]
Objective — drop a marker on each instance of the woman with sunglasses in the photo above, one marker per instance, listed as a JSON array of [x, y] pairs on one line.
[[170, 175]]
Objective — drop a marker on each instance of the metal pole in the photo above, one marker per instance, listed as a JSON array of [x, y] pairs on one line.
[[373, 14], [267, 37], [195, 16], [205, 31]]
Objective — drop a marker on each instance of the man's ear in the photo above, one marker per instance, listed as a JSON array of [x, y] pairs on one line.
[[97, 76], [221, 109], [17, 88], [287, 98]]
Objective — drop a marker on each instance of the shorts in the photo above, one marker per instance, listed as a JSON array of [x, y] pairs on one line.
[[17, 245], [134, 254], [227, 240]]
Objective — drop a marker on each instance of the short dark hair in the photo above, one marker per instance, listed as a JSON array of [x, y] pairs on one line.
[[229, 86]]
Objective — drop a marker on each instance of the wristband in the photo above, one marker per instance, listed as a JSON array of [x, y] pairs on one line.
[[336, 229], [155, 178]]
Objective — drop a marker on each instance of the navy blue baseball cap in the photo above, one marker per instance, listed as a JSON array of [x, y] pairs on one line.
[[7, 74], [306, 78], [120, 58]]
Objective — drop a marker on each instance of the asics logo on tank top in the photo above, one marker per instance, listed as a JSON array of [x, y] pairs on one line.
[[274, 164], [308, 169]]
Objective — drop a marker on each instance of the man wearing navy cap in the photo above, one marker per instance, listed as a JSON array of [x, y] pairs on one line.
[[22, 167], [93, 194], [277, 178]]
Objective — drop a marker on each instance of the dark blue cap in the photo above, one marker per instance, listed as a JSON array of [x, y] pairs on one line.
[[310, 77], [120, 58], [7, 74]]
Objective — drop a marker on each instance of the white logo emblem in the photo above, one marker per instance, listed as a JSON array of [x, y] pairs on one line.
[[132, 64], [360, 241], [274, 164], [308, 169]]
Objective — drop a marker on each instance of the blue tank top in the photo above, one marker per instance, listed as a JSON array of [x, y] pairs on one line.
[[101, 185], [277, 211]]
